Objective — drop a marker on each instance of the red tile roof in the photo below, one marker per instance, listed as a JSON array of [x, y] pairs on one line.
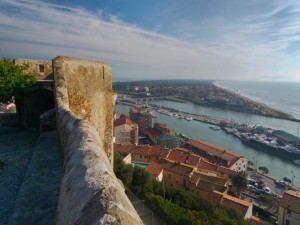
[[142, 149], [224, 170], [157, 150], [122, 120], [154, 168], [207, 165], [153, 132], [175, 167], [178, 156], [230, 201], [291, 200], [211, 149], [193, 160]]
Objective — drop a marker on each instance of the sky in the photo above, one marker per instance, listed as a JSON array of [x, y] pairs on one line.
[[160, 39]]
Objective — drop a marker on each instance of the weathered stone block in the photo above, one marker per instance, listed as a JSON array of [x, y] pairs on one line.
[[85, 87]]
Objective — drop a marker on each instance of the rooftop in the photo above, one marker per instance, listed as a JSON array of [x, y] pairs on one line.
[[214, 150], [123, 120], [230, 201], [154, 168], [291, 200]]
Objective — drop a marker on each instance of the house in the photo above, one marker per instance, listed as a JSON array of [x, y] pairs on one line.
[[289, 208], [175, 174], [125, 131], [217, 155], [184, 156], [145, 119], [205, 182], [163, 136], [142, 153], [242, 206], [155, 170]]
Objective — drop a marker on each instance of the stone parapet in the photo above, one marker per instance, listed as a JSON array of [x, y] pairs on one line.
[[90, 193], [85, 88]]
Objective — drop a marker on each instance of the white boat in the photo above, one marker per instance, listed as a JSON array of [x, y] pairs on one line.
[[215, 127], [189, 118], [180, 116], [297, 161]]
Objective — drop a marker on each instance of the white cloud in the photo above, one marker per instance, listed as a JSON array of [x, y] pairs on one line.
[[42, 30]]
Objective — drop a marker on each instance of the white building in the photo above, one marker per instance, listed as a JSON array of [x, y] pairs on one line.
[[289, 208], [125, 131]]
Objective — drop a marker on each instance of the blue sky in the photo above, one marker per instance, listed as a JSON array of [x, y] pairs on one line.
[[161, 39]]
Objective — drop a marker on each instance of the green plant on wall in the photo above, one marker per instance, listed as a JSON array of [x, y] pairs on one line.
[[14, 80]]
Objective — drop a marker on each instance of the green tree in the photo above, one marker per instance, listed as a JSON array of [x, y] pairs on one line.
[[263, 169], [250, 163], [239, 182], [287, 180], [14, 80], [122, 171]]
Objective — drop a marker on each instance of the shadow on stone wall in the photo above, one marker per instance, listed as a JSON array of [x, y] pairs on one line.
[[32, 105], [90, 193]]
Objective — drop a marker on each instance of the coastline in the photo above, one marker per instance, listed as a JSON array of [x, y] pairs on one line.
[[272, 113]]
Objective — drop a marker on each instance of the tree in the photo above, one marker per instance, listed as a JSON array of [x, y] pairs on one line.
[[239, 182], [14, 80], [250, 163], [122, 171], [263, 169], [287, 180]]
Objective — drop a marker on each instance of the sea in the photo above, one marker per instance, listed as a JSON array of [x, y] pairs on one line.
[[282, 96]]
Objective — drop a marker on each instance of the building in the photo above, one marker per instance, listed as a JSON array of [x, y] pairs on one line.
[[289, 208], [217, 155], [163, 136], [205, 181], [145, 119], [142, 153], [156, 171], [125, 131], [175, 174], [242, 206]]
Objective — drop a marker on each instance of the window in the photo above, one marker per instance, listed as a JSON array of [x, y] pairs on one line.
[[140, 156], [288, 211], [169, 176], [287, 222], [42, 68]]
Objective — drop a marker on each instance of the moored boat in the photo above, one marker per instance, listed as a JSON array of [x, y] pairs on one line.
[[297, 161], [215, 127], [189, 118]]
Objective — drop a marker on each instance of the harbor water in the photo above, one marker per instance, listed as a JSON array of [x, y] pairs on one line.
[[278, 167]]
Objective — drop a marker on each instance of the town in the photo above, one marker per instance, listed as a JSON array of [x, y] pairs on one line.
[[198, 166], [203, 93]]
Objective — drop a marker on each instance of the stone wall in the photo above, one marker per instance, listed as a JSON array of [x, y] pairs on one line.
[[41, 69], [9, 119], [90, 193], [85, 88]]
